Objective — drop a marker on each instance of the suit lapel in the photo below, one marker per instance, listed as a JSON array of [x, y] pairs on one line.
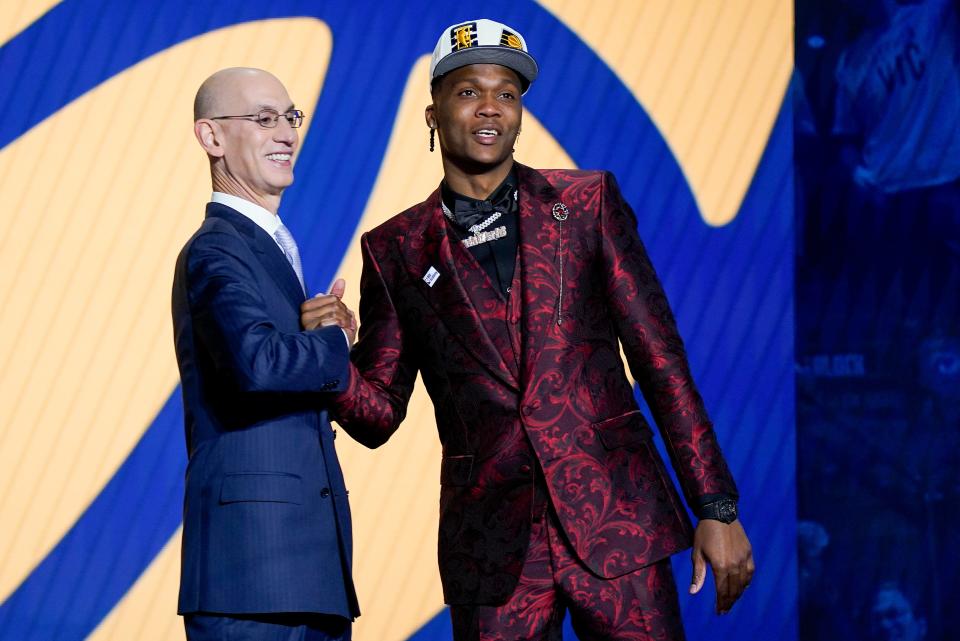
[[461, 296], [266, 249], [539, 241]]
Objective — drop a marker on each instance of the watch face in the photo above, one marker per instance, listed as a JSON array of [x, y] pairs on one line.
[[727, 511]]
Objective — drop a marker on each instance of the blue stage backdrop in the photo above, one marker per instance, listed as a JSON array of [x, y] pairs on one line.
[[877, 108], [102, 184]]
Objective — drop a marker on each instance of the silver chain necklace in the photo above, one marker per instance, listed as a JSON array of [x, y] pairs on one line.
[[479, 236], [475, 228]]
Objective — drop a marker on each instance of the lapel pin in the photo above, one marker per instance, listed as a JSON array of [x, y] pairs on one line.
[[431, 276], [561, 213]]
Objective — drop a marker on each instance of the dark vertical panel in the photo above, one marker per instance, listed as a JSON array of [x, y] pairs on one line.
[[877, 99]]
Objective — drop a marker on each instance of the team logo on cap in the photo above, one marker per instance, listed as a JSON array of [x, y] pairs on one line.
[[463, 36], [511, 40]]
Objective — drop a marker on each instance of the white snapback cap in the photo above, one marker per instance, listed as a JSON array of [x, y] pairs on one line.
[[482, 42]]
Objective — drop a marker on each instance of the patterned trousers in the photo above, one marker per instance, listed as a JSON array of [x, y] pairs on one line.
[[640, 606]]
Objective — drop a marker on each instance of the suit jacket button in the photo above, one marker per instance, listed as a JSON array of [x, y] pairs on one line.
[[325, 492], [527, 410], [525, 469]]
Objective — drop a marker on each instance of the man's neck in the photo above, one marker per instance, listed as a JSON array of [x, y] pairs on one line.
[[227, 185], [475, 185]]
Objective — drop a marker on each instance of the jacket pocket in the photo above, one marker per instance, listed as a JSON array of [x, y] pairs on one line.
[[456, 470], [628, 430], [270, 487]]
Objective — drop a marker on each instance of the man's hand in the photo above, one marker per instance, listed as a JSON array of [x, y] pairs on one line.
[[727, 550], [324, 310]]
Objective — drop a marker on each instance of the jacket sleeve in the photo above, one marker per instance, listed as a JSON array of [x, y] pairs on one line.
[[382, 370], [655, 353], [231, 319]]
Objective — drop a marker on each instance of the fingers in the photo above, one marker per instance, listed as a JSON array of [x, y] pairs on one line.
[[699, 570], [338, 315], [324, 310], [725, 599], [327, 320], [726, 548], [322, 304], [734, 583], [352, 330], [737, 578], [340, 318], [742, 578], [318, 302], [339, 287]]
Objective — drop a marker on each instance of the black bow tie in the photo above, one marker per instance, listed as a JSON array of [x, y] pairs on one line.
[[470, 212]]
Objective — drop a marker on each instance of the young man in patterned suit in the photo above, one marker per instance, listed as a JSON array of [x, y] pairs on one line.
[[510, 290]]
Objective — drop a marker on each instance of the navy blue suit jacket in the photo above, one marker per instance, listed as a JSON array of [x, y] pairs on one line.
[[266, 522]]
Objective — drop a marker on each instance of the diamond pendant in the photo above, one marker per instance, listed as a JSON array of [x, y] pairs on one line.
[[485, 237]]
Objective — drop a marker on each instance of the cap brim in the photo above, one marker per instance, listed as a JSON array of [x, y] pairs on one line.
[[520, 61]]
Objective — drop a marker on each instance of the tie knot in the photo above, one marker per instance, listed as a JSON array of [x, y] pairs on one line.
[[284, 236], [286, 242]]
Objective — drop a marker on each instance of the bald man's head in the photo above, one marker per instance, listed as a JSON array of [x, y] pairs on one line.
[[223, 89], [250, 157]]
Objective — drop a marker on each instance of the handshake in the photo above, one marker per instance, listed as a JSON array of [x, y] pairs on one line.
[[324, 310]]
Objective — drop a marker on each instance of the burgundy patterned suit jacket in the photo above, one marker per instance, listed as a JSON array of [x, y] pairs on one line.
[[536, 380]]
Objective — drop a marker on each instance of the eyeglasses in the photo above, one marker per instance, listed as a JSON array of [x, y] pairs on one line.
[[268, 118]]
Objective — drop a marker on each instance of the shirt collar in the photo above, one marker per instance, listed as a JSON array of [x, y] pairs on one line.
[[450, 197], [265, 219]]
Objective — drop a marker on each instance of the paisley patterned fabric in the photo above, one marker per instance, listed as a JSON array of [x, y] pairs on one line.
[[534, 386], [639, 606]]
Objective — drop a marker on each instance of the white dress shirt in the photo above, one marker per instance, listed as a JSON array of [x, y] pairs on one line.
[[265, 220]]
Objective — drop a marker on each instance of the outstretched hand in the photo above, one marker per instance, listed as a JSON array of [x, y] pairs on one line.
[[727, 549], [325, 310]]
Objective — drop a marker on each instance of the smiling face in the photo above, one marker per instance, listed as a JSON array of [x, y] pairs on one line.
[[247, 160], [477, 112]]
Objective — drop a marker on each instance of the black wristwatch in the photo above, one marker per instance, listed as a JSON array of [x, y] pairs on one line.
[[723, 510]]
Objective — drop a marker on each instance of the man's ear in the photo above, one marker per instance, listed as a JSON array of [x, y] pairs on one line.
[[429, 114], [208, 135]]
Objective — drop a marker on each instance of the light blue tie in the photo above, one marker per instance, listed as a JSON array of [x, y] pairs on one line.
[[289, 247]]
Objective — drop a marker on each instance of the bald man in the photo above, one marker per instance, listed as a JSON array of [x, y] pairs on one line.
[[266, 523]]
